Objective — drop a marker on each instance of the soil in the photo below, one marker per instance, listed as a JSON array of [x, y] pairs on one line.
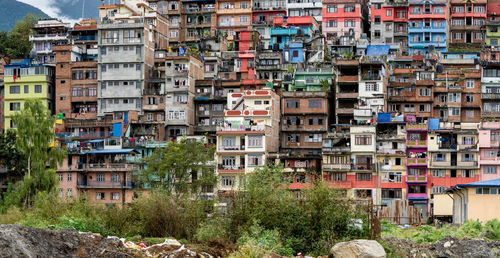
[[20, 241], [447, 247]]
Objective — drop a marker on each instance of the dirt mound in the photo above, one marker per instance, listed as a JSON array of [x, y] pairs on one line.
[[19, 241], [446, 247]]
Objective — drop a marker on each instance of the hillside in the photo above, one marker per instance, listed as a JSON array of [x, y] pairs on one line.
[[13, 11]]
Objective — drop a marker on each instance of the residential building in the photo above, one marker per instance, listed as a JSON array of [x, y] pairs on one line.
[[346, 90], [489, 144], [24, 80], [198, 20], [427, 26], [46, 34], [209, 101], [233, 16], [492, 23], [336, 166], [490, 84], [343, 18], [456, 91], [181, 75], [417, 178], [389, 23], [467, 20], [249, 135], [476, 201], [391, 158], [263, 14], [301, 8], [364, 175], [372, 86], [128, 34], [453, 154]]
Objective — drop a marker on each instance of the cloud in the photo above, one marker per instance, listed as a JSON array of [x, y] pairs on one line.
[[50, 7]]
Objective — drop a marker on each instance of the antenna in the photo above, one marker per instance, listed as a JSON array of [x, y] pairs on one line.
[[83, 9]]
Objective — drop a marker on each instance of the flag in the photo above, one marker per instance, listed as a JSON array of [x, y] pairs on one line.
[[14, 78]]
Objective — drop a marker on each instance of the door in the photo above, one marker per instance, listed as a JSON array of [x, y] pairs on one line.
[[421, 208], [125, 117], [469, 37], [453, 158]]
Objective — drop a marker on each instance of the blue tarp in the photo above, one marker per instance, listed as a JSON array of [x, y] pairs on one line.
[[434, 124], [377, 50], [117, 130], [485, 183], [111, 151], [96, 141], [384, 118]]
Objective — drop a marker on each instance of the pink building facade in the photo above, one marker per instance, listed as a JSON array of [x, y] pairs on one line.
[[488, 150], [342, 18]]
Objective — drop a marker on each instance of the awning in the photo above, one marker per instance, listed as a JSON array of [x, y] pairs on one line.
[[417, 198], [96, 141]]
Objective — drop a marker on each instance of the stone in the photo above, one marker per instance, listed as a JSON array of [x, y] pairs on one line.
[[447, 244], [358, 249]]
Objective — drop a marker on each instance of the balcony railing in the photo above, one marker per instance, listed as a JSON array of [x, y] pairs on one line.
[[230, 167], [420, 126], [109, 167], [417, 143], [491, 95], [105, 184], [230, 148], [337, 166], [242, 129], [416, 179], [416, 161], [370, 77]]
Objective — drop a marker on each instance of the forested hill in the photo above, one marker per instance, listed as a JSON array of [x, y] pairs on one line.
[[11, 11]]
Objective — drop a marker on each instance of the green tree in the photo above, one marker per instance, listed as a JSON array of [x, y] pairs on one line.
[[16, 43], [35, 131], [10, 157], [183, 167]]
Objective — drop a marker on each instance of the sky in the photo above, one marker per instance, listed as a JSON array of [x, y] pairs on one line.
[[50, 7]]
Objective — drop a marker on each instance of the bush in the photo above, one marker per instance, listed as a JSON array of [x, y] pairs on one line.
[[12, 216], [266, 239], [492, 229], [212, 231], [470, 229]]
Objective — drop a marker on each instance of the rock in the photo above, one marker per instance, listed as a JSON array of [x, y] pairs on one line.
[[358, 249], [447, 244]]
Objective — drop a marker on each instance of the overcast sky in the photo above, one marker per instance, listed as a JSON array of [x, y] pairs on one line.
[[50, 7]]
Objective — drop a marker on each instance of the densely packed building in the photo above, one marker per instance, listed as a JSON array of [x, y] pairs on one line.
[[384, 99]]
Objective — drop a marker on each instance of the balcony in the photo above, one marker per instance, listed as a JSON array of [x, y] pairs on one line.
[[47, 37], [416, 179], [416, 127], [104, 185], [416, 143], [342, 149], [347, 78], [490, 96], [340, 184], [416, 161], [230, 168], [87, 123], [336, 166], [347, 95], [349, 111], [257, 128], [370, 77], [231, 148], [109, 167], [364, 167]]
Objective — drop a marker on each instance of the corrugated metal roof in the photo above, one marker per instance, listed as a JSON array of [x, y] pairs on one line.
[[485, 183]]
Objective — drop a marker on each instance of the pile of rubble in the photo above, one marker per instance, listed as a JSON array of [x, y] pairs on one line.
[[19, 241]]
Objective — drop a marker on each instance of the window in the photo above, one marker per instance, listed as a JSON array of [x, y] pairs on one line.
[[469, 84], [490, 169], [363, 177], [440, 157], [244, 5], [331, 9], [388, 27], [349, 8], [438, 173], [458, 35], [176, 115], [468, 140], [60, 192], [15, 106], [392, 193], [115, 177], [458, 9], [314, 138], [100, 196], [397, 162], [453, 173], [69, 192], [416, 10], [38, 88], [61, 177], [438, 189], [479, 9], [315, 103], [467, 173], [494, 136], [115, 196], [417, 189], [243, 19], [349, 23], [100, 178], [26, 89], [227, 180], [392, 177], [454, 111], [376, 34], [293, 138], [254, 160], [388, 12], [254, 141], [70, 177], [490, 153], [377, 19], [438, 10], [454, 97], [377, 6], [331, 23], [174, 33], [15, 89], [371, 87], [363, 140], [424, 92], [467, 157]]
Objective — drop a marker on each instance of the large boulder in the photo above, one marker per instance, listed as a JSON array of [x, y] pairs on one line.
[[358, 249]]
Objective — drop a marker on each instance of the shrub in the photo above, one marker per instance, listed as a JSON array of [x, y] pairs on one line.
[[212, 231], [492, 229], [12, 216]]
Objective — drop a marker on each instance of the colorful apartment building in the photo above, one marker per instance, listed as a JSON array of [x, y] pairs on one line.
[[198, 20], [489, 144], [364, 174], [249, 134], [263, 14], [417, 176], [389, 23], [346, 90], [46, 34], [427, 26], [24, 80], [337, 164], [372, 85], [466, 22], [492, 23], [233, 16], [490, 84], [301, 8], [343, 19]]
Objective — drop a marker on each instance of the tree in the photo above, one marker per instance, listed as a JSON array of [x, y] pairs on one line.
[[183, 167], [35, 131], [10, 157], [16, 43]]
